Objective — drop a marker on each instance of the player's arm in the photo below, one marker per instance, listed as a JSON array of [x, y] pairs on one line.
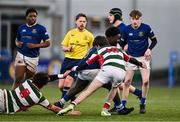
[[153, 43], [65, 43], [56, 77], [92, 59], [134, 61], [45, 103], [53, 108]]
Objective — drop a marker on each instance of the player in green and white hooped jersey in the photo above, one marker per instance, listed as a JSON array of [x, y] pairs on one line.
[[27, 94], [112, 61]]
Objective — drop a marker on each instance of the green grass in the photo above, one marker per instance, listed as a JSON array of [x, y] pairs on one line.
[[163, 105]]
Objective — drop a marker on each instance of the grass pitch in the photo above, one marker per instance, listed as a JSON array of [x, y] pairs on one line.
[[163, 104]]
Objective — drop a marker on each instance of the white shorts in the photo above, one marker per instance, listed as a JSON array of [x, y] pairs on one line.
[[130, 66], [111, 74], [2, 101], [30, 63], [89, 74]]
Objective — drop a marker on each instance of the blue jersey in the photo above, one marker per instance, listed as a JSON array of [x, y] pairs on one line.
[[33, 34], [121, 28], [137, 39], [94, 65]]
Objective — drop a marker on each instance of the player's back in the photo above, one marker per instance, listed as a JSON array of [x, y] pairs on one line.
[[112, 56], [22, 97]]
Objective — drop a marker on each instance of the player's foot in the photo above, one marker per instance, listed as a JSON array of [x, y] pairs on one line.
[[142, 109], [66, 110], [105, 113], [113, 109], [139, 97], [58, 104], [125, 111]]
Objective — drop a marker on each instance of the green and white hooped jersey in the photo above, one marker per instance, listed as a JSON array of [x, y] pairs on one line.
[[112, 56], [23, 97]]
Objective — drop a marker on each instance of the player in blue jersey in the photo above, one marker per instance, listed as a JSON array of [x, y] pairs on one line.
[[115, 18], [28, 42], [136, 36]]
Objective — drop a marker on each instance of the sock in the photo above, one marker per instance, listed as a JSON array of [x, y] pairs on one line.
[[63, 100], [138, 92], [73, 98], [143, 101], [64, 91], [123, 102], [119, 107], [106, 106], [73, 103], [117, 103]]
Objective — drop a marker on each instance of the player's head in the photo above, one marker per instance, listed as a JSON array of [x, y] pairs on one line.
[[31, 16], [112, 35], [81, 21], [136, 18], [114, 15], [40, 79], [100, 41]]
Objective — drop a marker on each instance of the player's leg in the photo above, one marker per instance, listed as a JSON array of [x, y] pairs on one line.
[[137, 92], [145, 74], [68, 64], [76, 88], [20, 70], [127, 83], [95, 84], [116, 100], [19, 75]]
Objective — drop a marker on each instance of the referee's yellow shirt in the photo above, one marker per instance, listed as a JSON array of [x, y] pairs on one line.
[[80, 41]]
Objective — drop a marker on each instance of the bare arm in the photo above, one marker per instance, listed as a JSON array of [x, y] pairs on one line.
[[41, 45]]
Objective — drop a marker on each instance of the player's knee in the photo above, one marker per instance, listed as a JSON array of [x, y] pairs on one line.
[[146, 83], [121, 86], [126, 84], [61, 84], [68, 81]]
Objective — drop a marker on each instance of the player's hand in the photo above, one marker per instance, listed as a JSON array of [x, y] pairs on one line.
[[144, 65], [19, 44], [54, 108], [31, 45], [74, 68], [70, 48], [147, 54], [125, 48], [66, 73]]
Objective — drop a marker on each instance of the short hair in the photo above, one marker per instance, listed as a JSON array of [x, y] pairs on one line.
[[80, 15], [100, 41], [135, 14], [40, 79], [112, 31], [29, 10]]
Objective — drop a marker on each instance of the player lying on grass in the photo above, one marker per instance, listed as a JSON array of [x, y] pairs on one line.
[[88, 74], [112, 61], [28, 94]]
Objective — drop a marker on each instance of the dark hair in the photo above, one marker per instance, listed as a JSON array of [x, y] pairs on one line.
[[40, 79], [117, 14], [135, 14], [81, 15], [29, 10], [112, 31], [100, 41]]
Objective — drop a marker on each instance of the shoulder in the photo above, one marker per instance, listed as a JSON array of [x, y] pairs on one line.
[[145, 26], [22, 26], [41, 27], [89, 33]]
